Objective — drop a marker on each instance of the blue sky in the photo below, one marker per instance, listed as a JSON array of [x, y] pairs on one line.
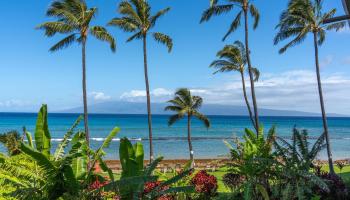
[[31, 75]]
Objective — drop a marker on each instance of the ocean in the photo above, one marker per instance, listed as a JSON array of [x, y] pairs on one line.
[[171, 142]]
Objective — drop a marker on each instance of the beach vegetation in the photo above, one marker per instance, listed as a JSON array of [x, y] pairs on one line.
[[11, 141]]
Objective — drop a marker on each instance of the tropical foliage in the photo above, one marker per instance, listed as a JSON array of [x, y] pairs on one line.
[[11, 141], [186, 104], [260, 166], [300, 18], [138, 20], [252, 161]]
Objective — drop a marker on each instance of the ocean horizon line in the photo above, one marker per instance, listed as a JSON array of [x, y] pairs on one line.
[[333, 115]]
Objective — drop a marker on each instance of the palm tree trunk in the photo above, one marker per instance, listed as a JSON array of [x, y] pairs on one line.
[[324, 117], [247, 102], [189, 139], [148, 99], [255, 106], [87, 135]]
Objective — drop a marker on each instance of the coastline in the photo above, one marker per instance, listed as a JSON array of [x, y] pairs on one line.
[[210, 164]]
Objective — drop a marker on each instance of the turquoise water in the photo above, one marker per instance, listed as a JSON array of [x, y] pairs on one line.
[[171, 142]]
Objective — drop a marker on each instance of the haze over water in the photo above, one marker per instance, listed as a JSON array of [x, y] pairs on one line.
[[171, 142]]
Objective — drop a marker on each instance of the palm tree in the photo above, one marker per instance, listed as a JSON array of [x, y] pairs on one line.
[[186, 104], [233, 58], [137, 19], [73, 17], [300, 18], [244, 7]]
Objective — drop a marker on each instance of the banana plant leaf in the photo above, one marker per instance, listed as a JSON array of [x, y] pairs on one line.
[[42, 133]]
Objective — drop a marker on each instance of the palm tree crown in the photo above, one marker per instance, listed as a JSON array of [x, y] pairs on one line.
[[137, 19], [303, 17], [233, 58], [186, 104], [216, 9], [74, 18]]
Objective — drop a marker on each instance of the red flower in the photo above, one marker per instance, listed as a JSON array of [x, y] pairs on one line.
[[149, 186], [205, 183]]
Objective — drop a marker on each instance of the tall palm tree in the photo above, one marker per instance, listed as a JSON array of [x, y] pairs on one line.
[[300, 18], [244, 7], [186, 104], [73, 18], [137, 19], [233, 58]]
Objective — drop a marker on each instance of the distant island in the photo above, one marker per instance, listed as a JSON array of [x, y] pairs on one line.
[[123, 107]]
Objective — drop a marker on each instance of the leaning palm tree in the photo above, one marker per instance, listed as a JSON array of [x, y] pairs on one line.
[[73, 17], [186, 104], [244, 7], [300, 18], [233, 58], [137, 19]]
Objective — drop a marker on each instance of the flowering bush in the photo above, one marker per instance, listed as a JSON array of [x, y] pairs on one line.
[[205, 183], [149, 186], [97, 184]]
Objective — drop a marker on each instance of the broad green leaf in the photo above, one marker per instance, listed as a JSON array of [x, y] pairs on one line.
[[42, 134], [30, 139], [139, 155], [79, 164]]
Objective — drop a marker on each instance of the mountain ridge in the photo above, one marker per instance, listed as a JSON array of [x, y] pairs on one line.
[[123, 107]]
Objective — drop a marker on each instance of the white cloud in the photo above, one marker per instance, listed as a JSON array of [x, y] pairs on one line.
[[13, 103], [291, 90], [158, 94], [99, 96]]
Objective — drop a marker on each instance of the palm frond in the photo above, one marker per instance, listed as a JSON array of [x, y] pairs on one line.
[[297, 40], [125, 23], [256, 73], [64, 43], [101, 33], [51, 28], [234, 25], [202, 118], [173, 108], [197, 102], [60, 149], [164, 39], [255, 14], [125, 8], [174, 118], [336, 26], [215, 10], [137, 35], [160, 13]]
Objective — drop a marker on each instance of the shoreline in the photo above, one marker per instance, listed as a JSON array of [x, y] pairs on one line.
[[210, 164]]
